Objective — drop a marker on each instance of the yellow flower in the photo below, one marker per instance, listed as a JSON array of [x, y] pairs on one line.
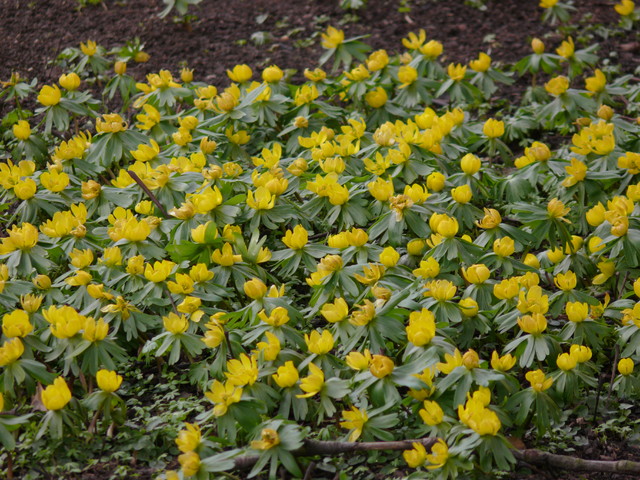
[[243, 371], [333, 38], [407, 75], [372, 274], [269, 438], [65, 321], [413, 41], [456, 71], [416, 457], [625, 366], [57, 395], [432, 49], [537, 46], [316, 75], [557, 209], [112, 123], [336, 311], [11, 351], [89, 49], [533, 324], [548, 3], [381, 366], [54, 181], [95, 331], [159, 271], [557, 85], [470, 359], [491, 219], [319, 343], [271, 348], [25, 189], [376, 98], [476, 274], [539, 382], [149, 119], [359, 361], [186, 75], [189, 438], [566, 48], [255, 288], [287, 375], [566, 362], [313, 383], [566, 281], [70, 81], [175, 324], [240, 73], [42, 282], [504, 363], [576, 311], [296, 239], [22, 130], [354, 420], [16, 324], [435, 181], [482, 64], [470, 164], [581, 353], [441, 290], [469, 307], [214, 335], [504, 247], [493, 128], [480, 419], [432, 413], [49, 96], [461, 194], [108, 381], [272, 74], [415, 247], [263, 199], [596, 83], [577, 172], [120, 67], [421, 328], [190, 463], [438, 456], [625, 7], [225, 257]]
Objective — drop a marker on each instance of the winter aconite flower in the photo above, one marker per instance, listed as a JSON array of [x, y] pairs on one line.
[[57, 395], [332, 38], [539, 382], [108, 381], [354, 420], [269, 438]]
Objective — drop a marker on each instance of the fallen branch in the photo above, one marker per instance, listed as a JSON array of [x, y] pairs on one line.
[[565, 462], [146, 190], [529, 456]]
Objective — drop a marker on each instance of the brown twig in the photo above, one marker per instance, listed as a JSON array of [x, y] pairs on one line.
[[146, 190], [565, 462]]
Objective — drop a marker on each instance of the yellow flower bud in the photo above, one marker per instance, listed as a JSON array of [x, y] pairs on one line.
[[625, 366], [57, 395], [22, 130], [537, 46], [70, 81], [108, 381], [255, 288]]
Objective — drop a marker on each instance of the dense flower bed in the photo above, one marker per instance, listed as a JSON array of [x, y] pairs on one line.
[[366, 256]]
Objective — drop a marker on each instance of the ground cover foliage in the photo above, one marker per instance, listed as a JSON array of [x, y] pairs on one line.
[[376, 254]]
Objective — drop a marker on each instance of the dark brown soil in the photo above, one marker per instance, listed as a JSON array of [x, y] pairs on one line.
[[34, 32]]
